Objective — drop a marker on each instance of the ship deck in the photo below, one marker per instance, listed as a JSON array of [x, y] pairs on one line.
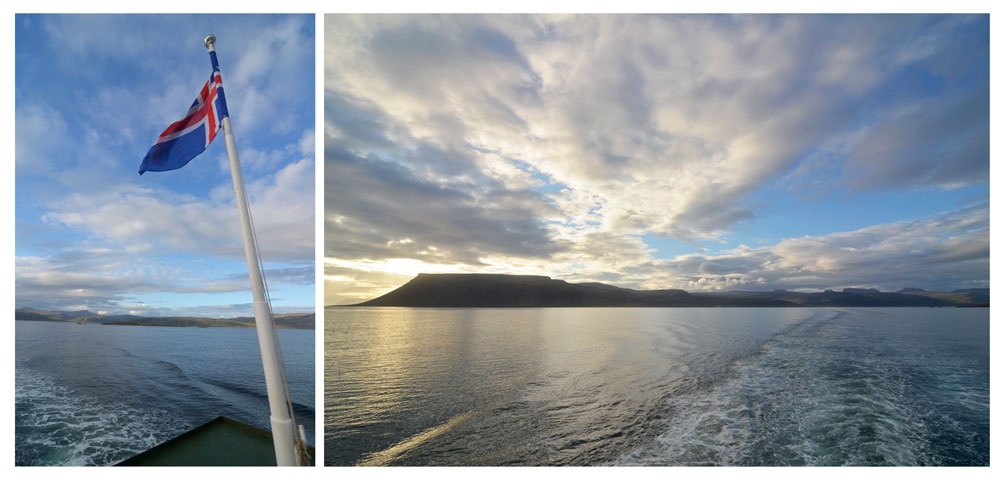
[[219, 442]]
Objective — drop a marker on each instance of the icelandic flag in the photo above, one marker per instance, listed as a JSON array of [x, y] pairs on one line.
[[188, 137]]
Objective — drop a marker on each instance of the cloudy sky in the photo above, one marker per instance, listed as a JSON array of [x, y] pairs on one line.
[[92, 94], [694, 152]]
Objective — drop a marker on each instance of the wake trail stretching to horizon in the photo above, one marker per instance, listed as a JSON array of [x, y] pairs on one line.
[[635, 386]]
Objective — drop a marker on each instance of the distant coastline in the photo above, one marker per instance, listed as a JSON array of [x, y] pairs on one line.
[[282, 321], [513, 291]]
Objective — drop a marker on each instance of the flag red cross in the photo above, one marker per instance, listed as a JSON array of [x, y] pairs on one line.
[[203, 110]]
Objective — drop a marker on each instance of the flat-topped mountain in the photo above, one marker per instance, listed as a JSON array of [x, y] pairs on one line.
[[522, 291], [500, 290], [281, 321]]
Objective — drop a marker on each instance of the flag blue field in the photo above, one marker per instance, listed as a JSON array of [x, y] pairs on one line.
[[190, 136]]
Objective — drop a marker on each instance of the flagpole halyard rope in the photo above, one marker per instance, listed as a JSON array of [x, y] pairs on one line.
[[300, 446]]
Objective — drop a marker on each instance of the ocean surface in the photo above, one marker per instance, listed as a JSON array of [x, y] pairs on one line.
[[87, 394], [657, 386]]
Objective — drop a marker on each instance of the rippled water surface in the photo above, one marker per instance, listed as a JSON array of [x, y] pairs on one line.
[[87, 394], [658, 386]]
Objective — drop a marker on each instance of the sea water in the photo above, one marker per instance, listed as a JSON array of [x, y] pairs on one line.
[[657, 386], [91, 394]]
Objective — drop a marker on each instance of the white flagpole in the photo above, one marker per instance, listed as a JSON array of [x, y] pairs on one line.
[[281, 422]]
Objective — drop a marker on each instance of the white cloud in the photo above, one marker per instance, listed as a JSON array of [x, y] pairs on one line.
[[39, 133], [152, 218], [91, 276], [307, 144]]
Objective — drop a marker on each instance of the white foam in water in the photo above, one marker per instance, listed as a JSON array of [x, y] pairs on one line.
[[810, 396], [55, 426]]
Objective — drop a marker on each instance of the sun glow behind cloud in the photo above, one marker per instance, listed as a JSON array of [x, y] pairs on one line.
[[555, 145]]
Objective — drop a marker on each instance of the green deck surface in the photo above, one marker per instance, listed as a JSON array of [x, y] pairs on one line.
[[219, 442]]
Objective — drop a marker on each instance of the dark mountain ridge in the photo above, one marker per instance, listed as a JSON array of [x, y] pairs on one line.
[[281, 321], [524, 291]]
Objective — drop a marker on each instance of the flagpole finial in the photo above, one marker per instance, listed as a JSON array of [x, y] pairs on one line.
[[209, 41]]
